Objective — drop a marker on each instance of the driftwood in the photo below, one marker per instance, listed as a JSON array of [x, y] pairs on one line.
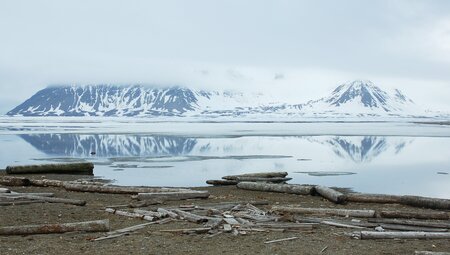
[[117, 189], [88, 226], [50, 199], [167, 213], [412, 223], [414, 215], [416, 201], [14, 181], [330, 194], [68, 168], [16, 194], [173, 195], [23, 202], [262, 175], [187, 230], [401, 235], [282, 188], [372, 198], [340, 225], [426, 202], [326, 211], [262, 179], [289, 226], [221, 182], [190, 216], [47, 183], [411, 228], [150, 213], [129, 214], [281, 240], [431, 253], [145, 203]]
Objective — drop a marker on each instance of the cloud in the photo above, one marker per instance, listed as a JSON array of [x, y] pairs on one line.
[[299, 48]]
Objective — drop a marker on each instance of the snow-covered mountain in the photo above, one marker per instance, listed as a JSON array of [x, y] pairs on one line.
[[362, 98], [134, 100], [357, 98]]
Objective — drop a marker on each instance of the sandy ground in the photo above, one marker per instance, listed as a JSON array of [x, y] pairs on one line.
[[150, 241]]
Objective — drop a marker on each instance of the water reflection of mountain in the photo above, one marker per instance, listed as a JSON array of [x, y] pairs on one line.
[[363, 149], [109, 145]]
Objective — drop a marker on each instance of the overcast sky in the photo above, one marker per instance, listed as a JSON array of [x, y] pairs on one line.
[[297, 49]]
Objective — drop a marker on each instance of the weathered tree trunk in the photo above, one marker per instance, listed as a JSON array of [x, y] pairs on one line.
[[188, 230], [411, 228], [47, 183], [262, 175], [330, 194], [221, 182], [262, 179], [190, 216], [372, 198], [14, 181], [68, 168], [340, 225], [173, 195], [21, 202], [145, 203], [57, 200], [282, 188], [150, 213], [414, 215], [426, 202], [326, 211], [412, 223], [403, 235], [129, 214], [167, 213], [15, 194], [88, 226], [117, 189], [431, 253], [290, 226]]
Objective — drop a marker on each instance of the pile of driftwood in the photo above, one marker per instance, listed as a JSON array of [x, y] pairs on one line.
[[276, 182], [268, 177]]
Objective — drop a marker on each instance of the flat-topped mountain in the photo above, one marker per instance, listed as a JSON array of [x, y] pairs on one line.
[[354, 98]]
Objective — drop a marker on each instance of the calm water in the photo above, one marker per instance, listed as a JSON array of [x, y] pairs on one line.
[[367, 163]]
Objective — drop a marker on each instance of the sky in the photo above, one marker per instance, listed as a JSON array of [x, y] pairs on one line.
[[297, 50]]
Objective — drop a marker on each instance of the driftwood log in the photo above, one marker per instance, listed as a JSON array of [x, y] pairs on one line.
[[401, 235], [411, 228], [262, 179], [282, 188], [57, 200], [432, 215], [88, 226], [117, 189], [130, 214], [14, 181], [330, 194], [221, 182], [261, 175], [441, 224], [426, 202], [47, 183], [372, 198], [326, 211], [165, 196], [68, 168], [21, 202], [431, 253], [15, 194]]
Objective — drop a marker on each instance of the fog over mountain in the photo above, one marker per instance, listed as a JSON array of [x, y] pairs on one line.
[[294, 49], [356, 98]]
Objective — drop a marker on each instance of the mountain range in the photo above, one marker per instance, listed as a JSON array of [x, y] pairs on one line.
[[356, 98]]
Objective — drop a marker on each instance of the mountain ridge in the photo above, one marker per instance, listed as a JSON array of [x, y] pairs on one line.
[[351, 98]]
